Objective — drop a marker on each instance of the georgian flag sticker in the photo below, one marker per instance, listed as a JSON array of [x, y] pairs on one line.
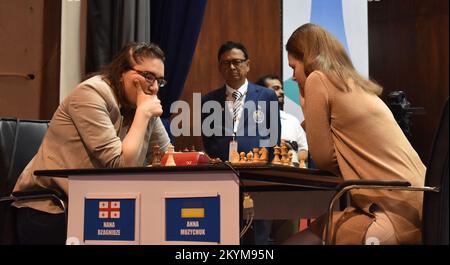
[[109, 209]]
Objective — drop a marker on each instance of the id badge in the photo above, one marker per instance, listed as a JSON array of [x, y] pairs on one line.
[[233, 148]]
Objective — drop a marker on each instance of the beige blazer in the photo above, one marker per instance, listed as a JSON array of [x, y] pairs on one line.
[[355, 135], [86, 131]]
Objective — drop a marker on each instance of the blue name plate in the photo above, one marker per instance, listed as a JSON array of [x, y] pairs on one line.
[[193, 219], [109, 219]]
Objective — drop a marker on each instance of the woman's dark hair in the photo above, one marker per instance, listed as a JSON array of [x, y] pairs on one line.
[[229, 45], [131, 54]]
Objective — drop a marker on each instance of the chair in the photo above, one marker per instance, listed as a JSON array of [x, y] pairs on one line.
[[19, 142], [435, 204]]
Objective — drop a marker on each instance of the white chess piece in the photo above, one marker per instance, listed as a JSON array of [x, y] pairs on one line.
[[170, 162], [302, 157]]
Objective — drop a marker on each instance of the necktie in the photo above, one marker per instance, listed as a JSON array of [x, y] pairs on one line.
[[237, 105]]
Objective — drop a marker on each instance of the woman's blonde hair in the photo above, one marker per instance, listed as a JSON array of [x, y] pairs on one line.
[[320, 50]]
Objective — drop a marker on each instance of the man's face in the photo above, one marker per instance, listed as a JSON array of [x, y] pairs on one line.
[[276, 85], [234, 67]]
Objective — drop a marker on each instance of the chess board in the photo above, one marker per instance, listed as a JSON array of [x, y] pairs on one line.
[[257, 156]]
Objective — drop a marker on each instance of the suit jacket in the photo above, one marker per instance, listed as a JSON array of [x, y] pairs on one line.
[[250, 133], [86, 131]]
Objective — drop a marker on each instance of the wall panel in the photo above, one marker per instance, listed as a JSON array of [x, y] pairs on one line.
[[255, 23], [29, 37], [408, 50]]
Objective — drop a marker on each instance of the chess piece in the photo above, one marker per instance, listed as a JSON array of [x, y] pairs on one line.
[[243, 158], [250, 157], [256, 154], [216, 160], [156, 161], [290, 155], [193, 149], [276, 159], [284, 155], [170, 162], [234, 157], [302, 157], [263, 155], [186, 150]]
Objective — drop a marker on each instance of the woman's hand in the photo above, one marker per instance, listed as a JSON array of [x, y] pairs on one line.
[[149, 105]]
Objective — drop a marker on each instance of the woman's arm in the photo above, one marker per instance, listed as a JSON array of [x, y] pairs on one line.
[[318, 123], [91, 116], [148, 106]]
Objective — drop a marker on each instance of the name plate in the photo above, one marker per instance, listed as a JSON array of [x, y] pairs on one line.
[[109, 219], [193, 219]]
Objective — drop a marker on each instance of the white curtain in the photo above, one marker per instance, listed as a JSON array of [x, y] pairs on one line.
[[71, 56]]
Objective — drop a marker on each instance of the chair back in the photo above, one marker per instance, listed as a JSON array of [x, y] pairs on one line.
[[19, 142], [435, 204]]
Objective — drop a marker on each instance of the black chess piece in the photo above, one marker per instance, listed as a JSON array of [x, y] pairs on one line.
[[156, 156]]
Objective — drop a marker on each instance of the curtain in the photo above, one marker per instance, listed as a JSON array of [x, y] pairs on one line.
[[175, 27], [111, 24], [70, 69], [136, 21], [102, 31], [172, 24]]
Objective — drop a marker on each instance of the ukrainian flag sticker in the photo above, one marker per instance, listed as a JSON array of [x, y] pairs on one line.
[[193, 219]]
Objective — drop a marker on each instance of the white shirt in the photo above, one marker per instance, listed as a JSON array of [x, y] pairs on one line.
[[229, 100], [292, 131]]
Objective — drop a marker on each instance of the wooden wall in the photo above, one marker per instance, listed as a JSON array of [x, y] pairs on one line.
[[408, 50], [30, 41], [254, 23]]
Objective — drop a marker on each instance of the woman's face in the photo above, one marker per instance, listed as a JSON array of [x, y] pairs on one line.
[[298, 72], [153, 66]]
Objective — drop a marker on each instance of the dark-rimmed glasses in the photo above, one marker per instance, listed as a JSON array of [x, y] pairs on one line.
[[150, 77], [234, 62]]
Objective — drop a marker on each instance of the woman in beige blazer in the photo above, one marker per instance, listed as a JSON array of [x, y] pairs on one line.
[[352, 133], [108, 121]]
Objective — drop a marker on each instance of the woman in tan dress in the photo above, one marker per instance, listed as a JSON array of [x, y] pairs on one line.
[[353, 134], [108, 121]]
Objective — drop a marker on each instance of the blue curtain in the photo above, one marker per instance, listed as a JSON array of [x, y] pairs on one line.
[[175, 26]]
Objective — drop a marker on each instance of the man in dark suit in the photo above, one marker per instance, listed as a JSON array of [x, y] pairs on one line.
[[249, 114]]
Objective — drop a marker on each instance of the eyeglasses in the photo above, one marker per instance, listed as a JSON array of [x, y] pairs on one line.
[[150, 77], [234, 62]]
